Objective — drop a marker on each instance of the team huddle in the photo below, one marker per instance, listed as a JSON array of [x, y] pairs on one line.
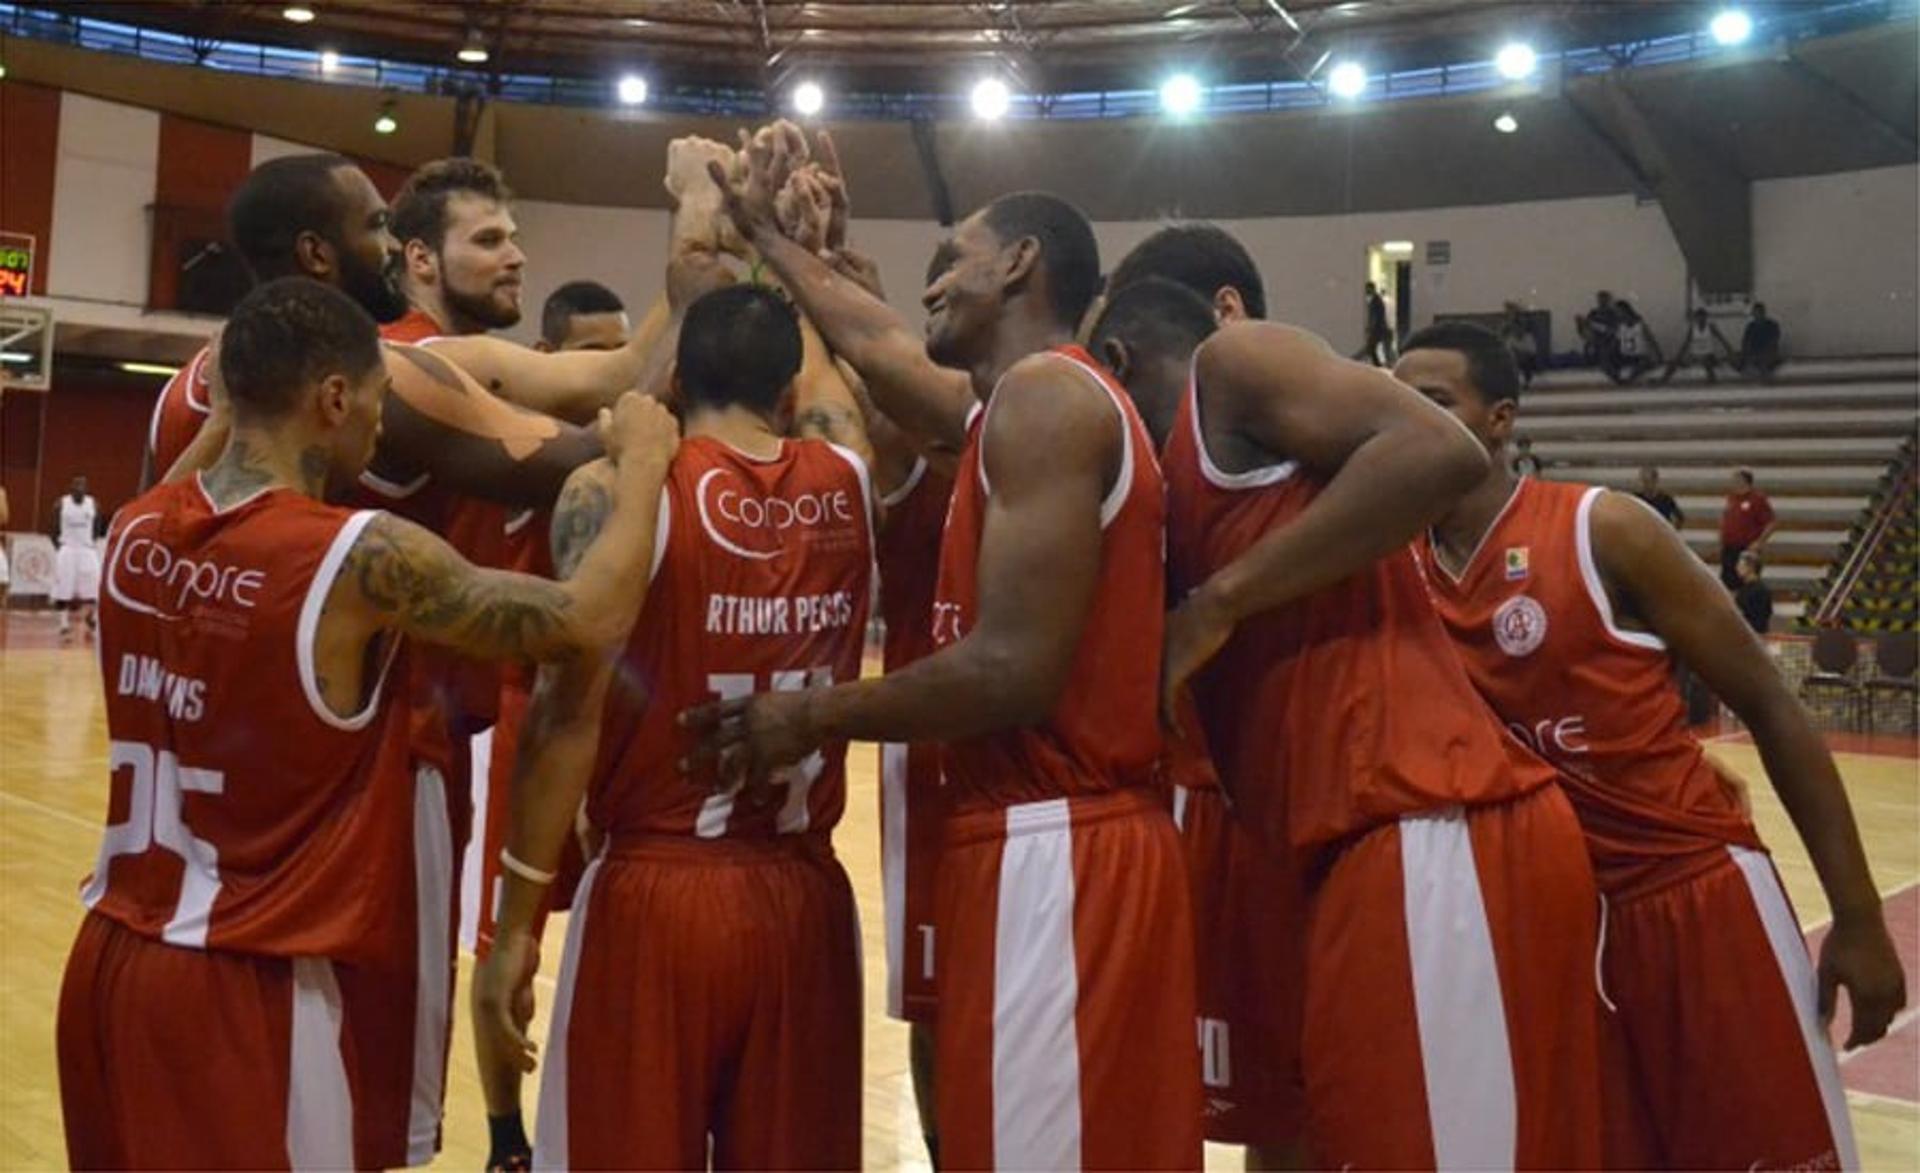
[[1260, 760]]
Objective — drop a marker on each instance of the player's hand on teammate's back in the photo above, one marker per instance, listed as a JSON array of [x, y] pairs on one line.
[[503, 1001], [745, 739], [1859, 955], [1196, 631], [638, 426]]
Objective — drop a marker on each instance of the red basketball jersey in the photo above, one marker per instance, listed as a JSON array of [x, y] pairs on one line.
[[180, 412], [1533, 623], [1104, 734], [761, 574], [909, 557], [244, 814], [1342, 710]]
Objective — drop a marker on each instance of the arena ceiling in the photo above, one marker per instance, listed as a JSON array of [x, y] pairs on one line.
[[914, 44]]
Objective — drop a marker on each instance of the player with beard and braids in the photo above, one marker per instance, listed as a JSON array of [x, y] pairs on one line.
[[264, 805], [442, 436], [1569, 604], [1248, 907], [1450, 1017], [1065, 1031]]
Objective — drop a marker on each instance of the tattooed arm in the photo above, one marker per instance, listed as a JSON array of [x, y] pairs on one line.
[[439, 423], [558, 745], [401, 577], [824, 406]]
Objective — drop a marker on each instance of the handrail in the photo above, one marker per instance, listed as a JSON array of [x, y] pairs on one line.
[[1900, 485]]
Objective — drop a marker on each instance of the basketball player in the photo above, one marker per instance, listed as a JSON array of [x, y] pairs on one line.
[[1065, 1033], [583, 315], [1443, 861], [264, 803], [1569, 604], [1204, 258], [1247, 902], [710, 991], [76, 563]]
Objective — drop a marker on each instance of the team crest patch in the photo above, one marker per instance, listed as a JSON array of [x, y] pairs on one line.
[[1516, 563], [1520, 625]]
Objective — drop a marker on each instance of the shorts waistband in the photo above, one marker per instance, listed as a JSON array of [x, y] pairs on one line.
[[1054, 814], [726, 849]]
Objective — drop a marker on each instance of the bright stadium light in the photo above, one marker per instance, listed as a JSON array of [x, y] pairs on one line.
[[632, 90], [1516, 60], [329, 61], [809, 99], [1348, 79], [1731, 26], [385, 122], [991, 98], [298, 13], [1180, 95], [473, 50], [1506, 123]]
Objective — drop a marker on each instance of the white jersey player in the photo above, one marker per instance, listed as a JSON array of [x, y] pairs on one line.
[[76, 567]]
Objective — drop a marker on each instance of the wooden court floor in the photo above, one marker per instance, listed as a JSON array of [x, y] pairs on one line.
[[52, 796]]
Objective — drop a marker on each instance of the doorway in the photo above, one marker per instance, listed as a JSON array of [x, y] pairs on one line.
[[1389, 270]]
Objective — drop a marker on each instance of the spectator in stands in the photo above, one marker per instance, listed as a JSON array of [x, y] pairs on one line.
[[1759, 344], [1701, 338], [1521, 343], [1378, 348], [1636, 350], [1596, 330], [1525, 463], [1753, 596], [1661, 500], [1745, 524]]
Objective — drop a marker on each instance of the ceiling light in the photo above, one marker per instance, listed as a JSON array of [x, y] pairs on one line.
[[148, 368], [329, 61], [1515, 60], [474, 51], [809, 99], [1402, 248], [1348, 79], [298, 13], [3, 69], [16, 357], [1180, 95], [1731, 26], [1506, 123], [991, 98], [632, 90], [385, 122]]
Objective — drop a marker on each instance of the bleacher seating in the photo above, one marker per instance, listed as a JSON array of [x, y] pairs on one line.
[[1821, 438]]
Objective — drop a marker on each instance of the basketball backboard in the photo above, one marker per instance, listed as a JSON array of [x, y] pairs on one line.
[[26, 346]]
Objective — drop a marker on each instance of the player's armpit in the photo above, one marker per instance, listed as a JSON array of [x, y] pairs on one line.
[[439, 422]]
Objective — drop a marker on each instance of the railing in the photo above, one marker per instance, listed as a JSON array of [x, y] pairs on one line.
[[1786, 23], [1901, 484]]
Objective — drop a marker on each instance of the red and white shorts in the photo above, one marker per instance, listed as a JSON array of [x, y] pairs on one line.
[[911, 813], [1452, 1009], [1715, 1057], [175, 1058], [1250, 930], [1065, 1036], [710, 987]]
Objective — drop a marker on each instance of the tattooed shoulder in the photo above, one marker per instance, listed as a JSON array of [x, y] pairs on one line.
[[578, 517]]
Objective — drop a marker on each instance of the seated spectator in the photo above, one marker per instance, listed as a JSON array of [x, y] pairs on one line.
[[1746, 523], [1753, 596], [1596, 329], [1698, 348], [1759, 344], [1521, 342], [1525, 463], [1636, 350], [1661, 500]]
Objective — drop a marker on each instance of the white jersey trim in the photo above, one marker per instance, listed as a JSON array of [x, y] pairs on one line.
[[193, 378], [662, 529], [1466, 567], [859, 467], [192, 375], [518, 522], [1219, 478], [551, 1147], [1596, 589], [394, 489], [309, 627], [1116, 498], [319, 1099], [199, 482], [905, 488]]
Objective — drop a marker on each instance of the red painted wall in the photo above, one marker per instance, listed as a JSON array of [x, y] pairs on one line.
[[96, 426], [29, 142]]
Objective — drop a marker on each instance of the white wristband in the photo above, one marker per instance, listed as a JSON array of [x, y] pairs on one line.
[[525, 871]]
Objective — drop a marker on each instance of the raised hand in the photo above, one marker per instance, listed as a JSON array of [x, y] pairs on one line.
[[804, 207], [834, 181], [638, 427]]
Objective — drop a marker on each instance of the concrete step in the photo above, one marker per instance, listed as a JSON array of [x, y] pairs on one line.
[[1902, 394], [1897, 422], [1853, 479], [1811, 370], [1795, 544], [1793, 510], [1722, 452]]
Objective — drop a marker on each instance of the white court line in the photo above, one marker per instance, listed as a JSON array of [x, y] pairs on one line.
[[1869, 1099], [1901, 1021], [1815, 926]]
